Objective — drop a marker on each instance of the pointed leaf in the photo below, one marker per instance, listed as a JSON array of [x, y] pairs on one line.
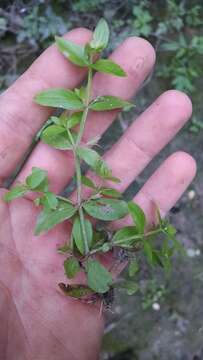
[[87, 182], [48, 218], [102, 103], [138, 216], [37, 180], [76, 291], [74, 119], [71, 267], [121, 237], [133, 267], [100, 36], [106, 209], [57, 137], [94, 160], [130, 286], [78, 235], [51, 200], [90, 156], [109, 67], [75, 53], [99, 278], [110, 192], [15, 192], [59, 98]]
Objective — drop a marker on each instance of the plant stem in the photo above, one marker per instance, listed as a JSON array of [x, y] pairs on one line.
[[85, 113], [77, 160], [133, 237]]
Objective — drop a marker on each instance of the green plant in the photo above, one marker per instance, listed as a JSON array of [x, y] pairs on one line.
[[100, 201]]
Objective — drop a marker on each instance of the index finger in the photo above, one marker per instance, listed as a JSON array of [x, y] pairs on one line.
[[20, 116]]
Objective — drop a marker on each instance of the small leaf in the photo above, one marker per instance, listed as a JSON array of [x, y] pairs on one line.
[[138, 216], [103, 103], [59, 98], [106, 247], [76, 291], [90, 156], [75, 53], [133, 267], [81, 93], [121, 237], [148, 252], [78, 236], [37, 180], [48, 218], [101, 169], [106, 209], [88, 182], [57, 137], [99, 278], [15, 192], [94, 160], [130, 286], [110, 192], [64, 249], [109, 67], [74, 119], [100, 36], [71, 267], [51, 200]]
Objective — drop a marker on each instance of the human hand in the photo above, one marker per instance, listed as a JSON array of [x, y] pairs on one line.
[[37, 321]]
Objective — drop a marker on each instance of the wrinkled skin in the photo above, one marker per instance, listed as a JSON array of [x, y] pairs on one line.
[[37, 320]]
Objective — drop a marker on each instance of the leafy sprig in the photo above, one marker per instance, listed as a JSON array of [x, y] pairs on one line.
[[65, 132]]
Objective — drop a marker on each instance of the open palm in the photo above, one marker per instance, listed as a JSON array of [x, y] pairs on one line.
[[37, 321]]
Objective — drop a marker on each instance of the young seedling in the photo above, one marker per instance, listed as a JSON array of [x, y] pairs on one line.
[[65, 132]]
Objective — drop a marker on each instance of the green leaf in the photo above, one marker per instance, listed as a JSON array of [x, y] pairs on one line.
[[78, 235], [110, 192], [59, 98], [109, 67], [64, 249], [106, 209], [51, 200], [57, 137], [148, 252], [90, 156], [100, 36], [48, 218], [130, 286], [133, 267], [81, 93], [138, 216], [37, 180], [74, 119], [76, 291], [71, 267], [121, 237], [75, 53], [15, 192], [102, 103], [88, 182], [99, 278], [94, 160]]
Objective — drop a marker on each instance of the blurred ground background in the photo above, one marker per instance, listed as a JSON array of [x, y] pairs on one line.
[[165, 319]]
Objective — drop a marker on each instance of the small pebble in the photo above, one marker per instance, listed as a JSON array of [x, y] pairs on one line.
[[191, 194], [193, 252], [156, 306]]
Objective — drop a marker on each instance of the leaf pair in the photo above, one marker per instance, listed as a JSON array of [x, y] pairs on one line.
[[36, 181], [69, 100], [78, 54]]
